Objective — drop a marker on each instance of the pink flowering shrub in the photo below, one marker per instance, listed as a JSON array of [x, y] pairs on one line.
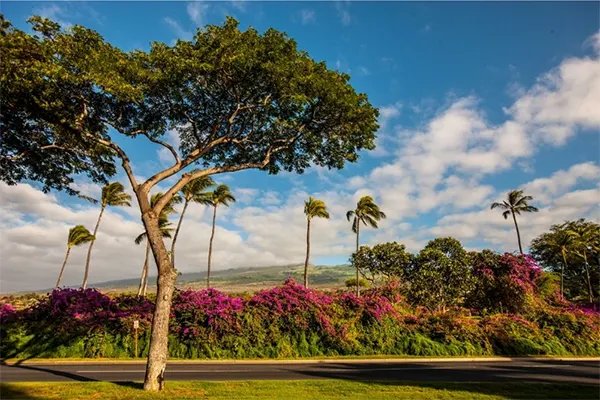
[[503, 283], [207, 310], [292, 321]]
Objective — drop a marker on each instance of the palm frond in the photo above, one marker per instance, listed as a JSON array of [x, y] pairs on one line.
[[497, 205], [140, 238], [114, 194], [350, 214], [222, 196], [355, 225], [315, 208], [196, 186], [506, 213], [79, 235]]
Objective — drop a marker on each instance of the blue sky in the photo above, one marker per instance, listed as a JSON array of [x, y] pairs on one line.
[[513, 84]]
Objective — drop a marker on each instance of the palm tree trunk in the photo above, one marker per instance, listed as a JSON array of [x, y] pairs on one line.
[[518, 234], [307, 253], [144, 270], [357, 243], [562, 273], [177, 232], [210, 244], [89, 253], [589, 282], [62, 270]]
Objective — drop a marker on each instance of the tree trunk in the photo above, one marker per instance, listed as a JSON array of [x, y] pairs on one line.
[[89, 253], [62, 270], [144, 270], [210, 244], [518, 234], [589, 281], [159, 335], [177, 232], [357, 243], [307, 253], [562, 273]]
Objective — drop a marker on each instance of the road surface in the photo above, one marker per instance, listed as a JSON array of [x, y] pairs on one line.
[[585, 372]]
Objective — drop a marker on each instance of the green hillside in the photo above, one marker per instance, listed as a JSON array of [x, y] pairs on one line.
[[251, 278]]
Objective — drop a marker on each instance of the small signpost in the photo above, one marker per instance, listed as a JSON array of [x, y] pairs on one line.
[[136, 325]]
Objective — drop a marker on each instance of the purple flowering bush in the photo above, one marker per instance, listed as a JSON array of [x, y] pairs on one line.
[[292, 321]]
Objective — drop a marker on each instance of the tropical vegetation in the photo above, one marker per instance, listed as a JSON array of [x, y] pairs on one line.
[[241, 100], [78, 235]]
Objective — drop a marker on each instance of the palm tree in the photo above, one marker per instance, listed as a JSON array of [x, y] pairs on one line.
[[113, 195], [78, 235], [514, 205], [585, 239], [165, 229], [220, 196], [368, 213], [312, 208], [194, 191]]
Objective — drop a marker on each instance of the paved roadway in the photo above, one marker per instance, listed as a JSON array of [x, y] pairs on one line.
[[586, 372]]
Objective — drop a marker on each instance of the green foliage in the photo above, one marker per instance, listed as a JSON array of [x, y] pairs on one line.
[[238, 99], [79, 235], [573, 250], [366, 212], [441, 276], [351, 282], [385, 260], [114, 195], [315, 208]]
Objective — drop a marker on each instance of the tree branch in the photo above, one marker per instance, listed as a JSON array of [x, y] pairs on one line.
[[165, 145]]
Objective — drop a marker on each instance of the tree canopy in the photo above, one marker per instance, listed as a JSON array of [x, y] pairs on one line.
[[384, 260], [237, 99]]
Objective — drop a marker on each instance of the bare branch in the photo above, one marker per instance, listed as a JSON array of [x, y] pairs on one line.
[[165, 145], [47, 147]]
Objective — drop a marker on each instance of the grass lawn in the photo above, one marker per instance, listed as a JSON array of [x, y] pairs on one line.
[[296, 390]]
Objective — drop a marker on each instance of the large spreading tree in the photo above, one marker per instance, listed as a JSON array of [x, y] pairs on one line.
[[236, 99]]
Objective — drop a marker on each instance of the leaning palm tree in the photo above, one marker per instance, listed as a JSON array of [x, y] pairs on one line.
[[368, 213], [312, 208], [194, 192], [113, 195], [165, 230], [585, 240], [220, 196], [78, 235], [514, 205]]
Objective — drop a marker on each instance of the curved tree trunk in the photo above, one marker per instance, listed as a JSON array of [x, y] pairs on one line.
[[62, 270], [89, 253], [357, 243], [518, 234], [144, 270], [307, 253], [562, 273], [159, 334], [177, 232], [210, 244]]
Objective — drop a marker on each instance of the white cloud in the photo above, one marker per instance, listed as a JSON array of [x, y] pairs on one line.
[[55, 13], [179, 31], [343, 12], [197, 12], [307, 16], [363, 70]]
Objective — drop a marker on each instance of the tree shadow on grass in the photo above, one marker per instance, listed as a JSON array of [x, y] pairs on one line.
[[531, 380], [12, 392]]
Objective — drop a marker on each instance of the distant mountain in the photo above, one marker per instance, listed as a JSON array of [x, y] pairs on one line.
[[244, 279]]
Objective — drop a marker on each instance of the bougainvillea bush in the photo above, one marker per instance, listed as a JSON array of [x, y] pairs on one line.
[[292, 321]]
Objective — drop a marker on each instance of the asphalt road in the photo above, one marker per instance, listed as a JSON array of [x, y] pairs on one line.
[[586, 372]]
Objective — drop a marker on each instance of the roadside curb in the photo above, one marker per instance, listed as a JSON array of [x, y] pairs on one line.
[[310, 361]]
